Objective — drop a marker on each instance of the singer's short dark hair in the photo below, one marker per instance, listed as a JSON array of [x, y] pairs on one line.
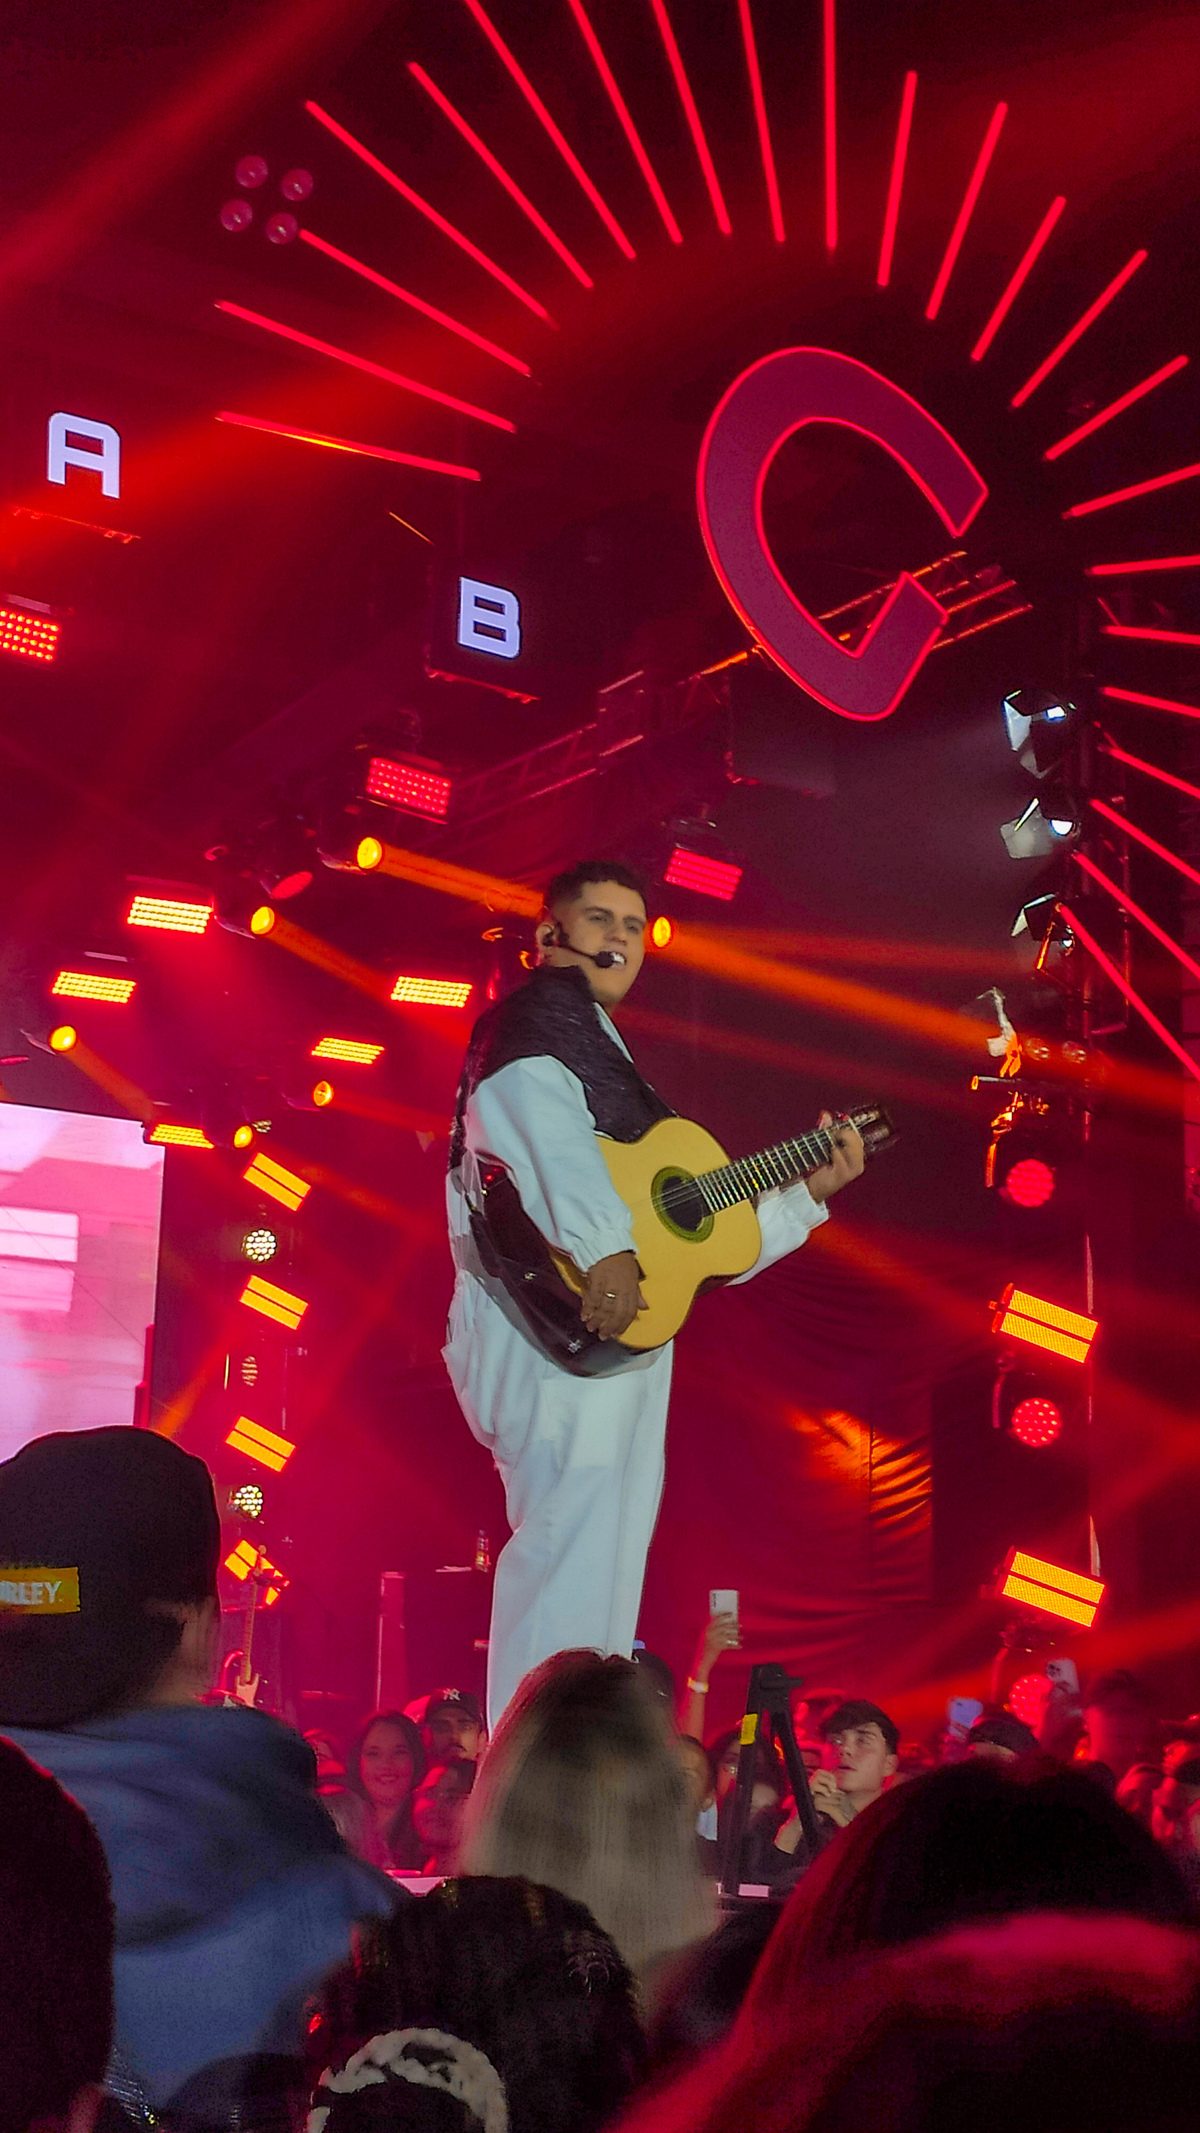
[[570, 884]]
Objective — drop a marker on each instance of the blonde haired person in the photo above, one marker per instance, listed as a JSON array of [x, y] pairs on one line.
[[582, 1789]]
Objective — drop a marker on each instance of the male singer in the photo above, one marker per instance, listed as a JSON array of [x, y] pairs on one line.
[[581, 1459]]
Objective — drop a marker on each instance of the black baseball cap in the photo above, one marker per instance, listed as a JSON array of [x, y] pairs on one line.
[[95, 1526], [454, 1700], [1003, 1729]]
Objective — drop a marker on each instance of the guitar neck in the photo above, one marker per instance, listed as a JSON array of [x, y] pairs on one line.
[[751, 1175]]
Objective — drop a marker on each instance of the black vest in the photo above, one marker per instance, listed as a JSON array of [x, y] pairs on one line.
[[554, 1016]]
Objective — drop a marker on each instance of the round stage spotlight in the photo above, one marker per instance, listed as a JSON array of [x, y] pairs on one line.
[[64, 1038], [322, 1094], [263, 920], [243, 1135], [368, 854], [662, 932], [1036, 1422], [1027, 1699], [260, 1245], [247, 1502], [1030, 1182]]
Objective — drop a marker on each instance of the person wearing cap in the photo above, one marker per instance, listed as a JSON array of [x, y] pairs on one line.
[[1000, 1737], [233, 1892], [452, 1728]]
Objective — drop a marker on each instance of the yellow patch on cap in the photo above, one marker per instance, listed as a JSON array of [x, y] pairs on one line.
[[38, 1591]]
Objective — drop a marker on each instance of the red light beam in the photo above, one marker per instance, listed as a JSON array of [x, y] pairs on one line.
[[1115, 407], [509, 61], [1080, 327], [627, 126], [374, 370], [417, 303], [759, 102], [1140, 836], [1137, 488], [1151, 770], [974, 187], [1024, 270], [1122, 629], [692, 115], [1127, 992], [829, 70], [492, 162], [1152, 703], [430, 213], [346, 444], [896, 184], [1135, 911]]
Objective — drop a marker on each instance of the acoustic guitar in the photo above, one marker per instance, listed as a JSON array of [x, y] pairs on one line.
[[694, 1226]]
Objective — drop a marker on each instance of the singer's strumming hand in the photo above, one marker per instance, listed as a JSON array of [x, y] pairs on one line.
[[611, 1296]]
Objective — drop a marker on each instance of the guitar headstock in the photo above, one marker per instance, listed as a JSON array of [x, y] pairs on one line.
[[873, 1126]]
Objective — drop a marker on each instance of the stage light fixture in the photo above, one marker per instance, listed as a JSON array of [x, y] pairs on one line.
[[348, 1049], [260, 1245], [270, 1177], [1022, 1317], [662, 932], [309, 1096], [248, 1370], [246, 1502], [29, 635], [1037, 722], [1035, 1422], [1034, 835], [1049, 1589], [265, 1445], [1060, 810], [247, 1560], [431, 992], [93, 985], [273, 1302], [284, 858], [414, 788], [368, 854], [707, 877], [64, 1038], [1029, 1183], [1027, 1699], [238, 905], [170, 914], [166, 1134]]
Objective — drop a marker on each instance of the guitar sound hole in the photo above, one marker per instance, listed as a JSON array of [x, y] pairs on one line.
[[682, 1200]]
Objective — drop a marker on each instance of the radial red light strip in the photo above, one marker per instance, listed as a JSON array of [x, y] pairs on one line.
[[1149, 562], [346, 444], [1080, 327], [989, 624], [1019, 279], [626, 121], [1135, 911], [1123, 629], [896, 183], [374, 370], [1164, 777], [1137, 488], [1152, 703], [692, 115], [1127, 993], [1115, 407], [829, 68], [509, 61], [967, 209], [1141, 836], [759, 102], [430, 213], [417, 303], [492, 162]]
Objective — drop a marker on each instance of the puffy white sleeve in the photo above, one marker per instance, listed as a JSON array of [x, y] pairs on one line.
[[533, 1116], [786, 1217]]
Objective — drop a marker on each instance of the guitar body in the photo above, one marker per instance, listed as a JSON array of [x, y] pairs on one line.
[[680, 1249]]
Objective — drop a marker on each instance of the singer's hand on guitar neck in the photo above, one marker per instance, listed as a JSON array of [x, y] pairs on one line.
[[611, 1296], [846, 1164]]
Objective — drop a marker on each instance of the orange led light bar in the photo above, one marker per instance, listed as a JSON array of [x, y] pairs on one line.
[[261, 1444], [275, 1303], [180, 1136], [167, 914], [28, 636], [246, 1559], [431, 992], [347, 1049], [280, 1184], [1044, 1325], [90, 985], [1054, 1591]]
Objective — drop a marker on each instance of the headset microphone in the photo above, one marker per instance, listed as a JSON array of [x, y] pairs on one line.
[[604, 961]]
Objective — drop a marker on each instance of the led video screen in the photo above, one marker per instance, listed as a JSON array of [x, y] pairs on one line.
[[80, 1201]]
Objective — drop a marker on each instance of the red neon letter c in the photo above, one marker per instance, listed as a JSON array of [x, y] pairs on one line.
[[761, 409]]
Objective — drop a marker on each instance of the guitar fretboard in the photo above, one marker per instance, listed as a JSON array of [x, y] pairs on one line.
[[752, 1174]]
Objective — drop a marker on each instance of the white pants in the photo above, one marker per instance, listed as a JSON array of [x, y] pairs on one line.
[[582, 1463]]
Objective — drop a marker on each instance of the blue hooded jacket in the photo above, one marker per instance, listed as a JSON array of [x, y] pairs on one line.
[[234, 1894]]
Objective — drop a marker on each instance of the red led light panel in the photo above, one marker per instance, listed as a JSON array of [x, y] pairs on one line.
[[28, 636], [168, 1136], [431, 992], [166, 914], [403, 785], [1035, 1422], [708, 877], [348, 1049], [1030, 1183], [92, 985]]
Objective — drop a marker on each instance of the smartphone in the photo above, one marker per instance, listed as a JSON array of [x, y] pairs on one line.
[[962, 1712], [723, 1603], [1064, 1674]]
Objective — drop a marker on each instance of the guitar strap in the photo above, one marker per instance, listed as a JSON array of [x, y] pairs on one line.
[[554, 1016]]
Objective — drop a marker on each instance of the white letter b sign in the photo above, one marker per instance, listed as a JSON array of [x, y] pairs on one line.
[[489, 619]]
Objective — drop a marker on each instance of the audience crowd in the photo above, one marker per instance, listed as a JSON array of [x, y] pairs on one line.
[[210, 1925]]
